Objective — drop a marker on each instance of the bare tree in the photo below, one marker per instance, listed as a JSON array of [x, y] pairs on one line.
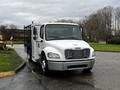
[[107, 20], [117, 18], [98, 25], [12, 26], [4, 31], [66, 20]]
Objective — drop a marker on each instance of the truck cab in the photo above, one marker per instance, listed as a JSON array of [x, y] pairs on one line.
[[58, 46]]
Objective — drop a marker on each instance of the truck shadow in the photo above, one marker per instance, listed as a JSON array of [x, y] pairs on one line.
[[64, 80]]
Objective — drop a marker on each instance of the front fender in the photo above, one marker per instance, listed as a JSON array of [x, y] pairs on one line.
[[53, 50]]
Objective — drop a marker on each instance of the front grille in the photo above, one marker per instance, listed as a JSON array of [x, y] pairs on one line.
[[77, 54]]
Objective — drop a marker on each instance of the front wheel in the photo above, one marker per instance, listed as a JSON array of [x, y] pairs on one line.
[[44, 66]]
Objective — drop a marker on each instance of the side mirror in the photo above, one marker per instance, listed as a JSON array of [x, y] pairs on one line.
[[34, 31], [83, 33]]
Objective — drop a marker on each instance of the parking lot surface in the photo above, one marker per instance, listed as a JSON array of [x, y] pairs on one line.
[[104, 76]]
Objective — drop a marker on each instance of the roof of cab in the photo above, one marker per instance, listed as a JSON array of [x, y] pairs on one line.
[[60, 23], [57, 23]]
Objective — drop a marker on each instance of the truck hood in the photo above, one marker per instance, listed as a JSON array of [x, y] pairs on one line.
[[68, 44]]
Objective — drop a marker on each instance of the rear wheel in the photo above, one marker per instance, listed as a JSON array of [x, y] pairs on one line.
[[29, 54]]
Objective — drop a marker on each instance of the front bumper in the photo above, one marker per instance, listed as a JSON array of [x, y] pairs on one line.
[[70, 65]]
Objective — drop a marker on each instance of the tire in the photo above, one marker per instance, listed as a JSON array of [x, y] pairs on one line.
[[44, 66], [29, 55], [30, 59]]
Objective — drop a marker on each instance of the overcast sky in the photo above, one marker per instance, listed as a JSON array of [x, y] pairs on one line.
[[22, 12]]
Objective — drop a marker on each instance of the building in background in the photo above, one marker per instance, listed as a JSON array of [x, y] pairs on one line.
[[1, 38], [17, 34]]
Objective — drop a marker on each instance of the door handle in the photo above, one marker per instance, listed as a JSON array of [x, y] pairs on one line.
[[41, 41]]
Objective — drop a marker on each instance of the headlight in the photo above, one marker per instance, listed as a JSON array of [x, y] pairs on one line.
[[93, 54], [53, 55]]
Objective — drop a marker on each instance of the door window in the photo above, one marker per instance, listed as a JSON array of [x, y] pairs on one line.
[[42, 31]]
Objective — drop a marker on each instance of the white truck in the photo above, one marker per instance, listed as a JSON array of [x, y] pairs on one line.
[[58, 46]]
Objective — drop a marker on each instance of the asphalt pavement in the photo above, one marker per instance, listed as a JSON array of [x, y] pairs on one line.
[[104, 76]]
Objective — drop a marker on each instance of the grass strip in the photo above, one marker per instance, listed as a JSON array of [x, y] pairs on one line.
[[105, 47], [9, 60]]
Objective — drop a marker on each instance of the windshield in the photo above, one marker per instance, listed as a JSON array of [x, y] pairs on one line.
[[63, 32]]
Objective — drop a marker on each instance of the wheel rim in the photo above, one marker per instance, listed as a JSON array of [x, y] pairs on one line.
[[43, 65]]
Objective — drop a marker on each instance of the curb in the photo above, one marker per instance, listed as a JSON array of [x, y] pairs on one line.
[[108, 51], [12, 73], [6, 74], [20, 67]]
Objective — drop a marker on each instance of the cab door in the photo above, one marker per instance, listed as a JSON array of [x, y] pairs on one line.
[[41, 43], [34, 43]]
